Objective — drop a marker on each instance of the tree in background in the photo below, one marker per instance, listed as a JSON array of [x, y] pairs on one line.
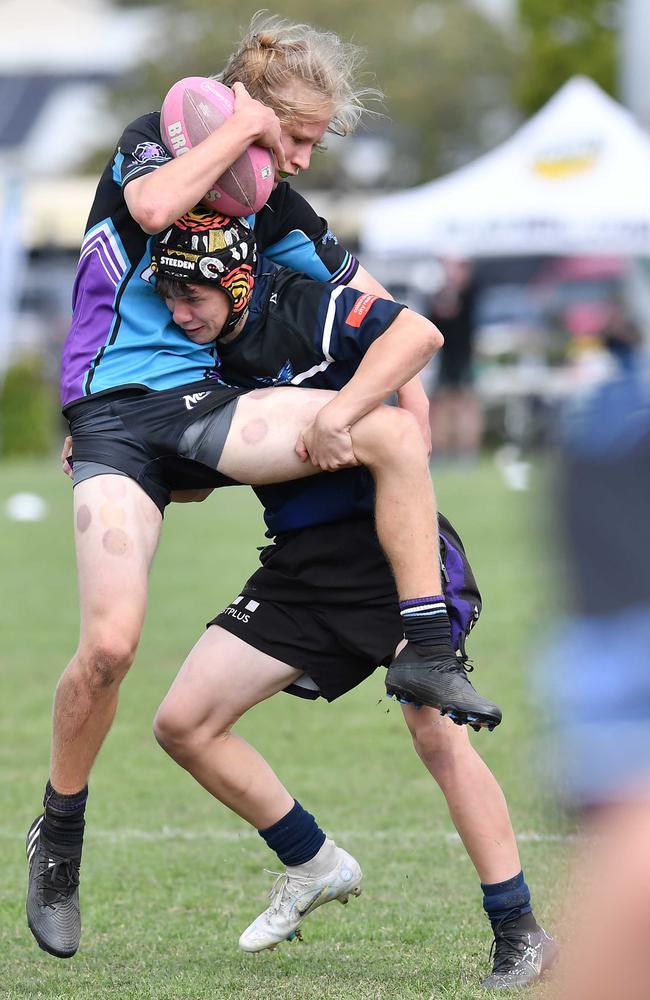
[[447, 72], [28, 410], [455, 81], [561, 39]]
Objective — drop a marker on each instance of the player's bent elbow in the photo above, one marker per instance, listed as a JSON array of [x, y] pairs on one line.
[[431, 340], [435, 339], [145, 208], [426, 336], [439, 340], [150, 218]]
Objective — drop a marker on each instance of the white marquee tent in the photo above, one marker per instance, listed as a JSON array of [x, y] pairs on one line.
[[575, 179]]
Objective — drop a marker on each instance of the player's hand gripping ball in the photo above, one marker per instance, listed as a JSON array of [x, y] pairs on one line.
[[195, 107]]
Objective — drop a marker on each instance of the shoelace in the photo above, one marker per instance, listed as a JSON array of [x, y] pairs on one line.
[[457, 662], [57, 881], [280, 888], [507, 948], [465, 662], [461, 665], [456, 665]]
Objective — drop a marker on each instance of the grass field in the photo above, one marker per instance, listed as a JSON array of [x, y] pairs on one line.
[[170, 878]]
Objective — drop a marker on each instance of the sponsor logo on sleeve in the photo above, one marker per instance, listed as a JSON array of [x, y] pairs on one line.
[[360, 309], [149, 151], [329, 237]]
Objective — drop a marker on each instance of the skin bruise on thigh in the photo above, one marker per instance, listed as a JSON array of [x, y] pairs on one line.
[[112, 515], [84, 517], [254, 431], [117, 542], [113, 487]]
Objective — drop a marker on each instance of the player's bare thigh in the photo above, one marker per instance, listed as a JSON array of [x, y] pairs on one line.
[[221, 679], [260, 447], [116, 530]]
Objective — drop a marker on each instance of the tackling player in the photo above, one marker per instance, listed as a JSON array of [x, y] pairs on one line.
[[316, 619]]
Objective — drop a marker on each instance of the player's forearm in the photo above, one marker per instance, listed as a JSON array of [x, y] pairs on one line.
[[391, 361], [413, 398], [164, 195]]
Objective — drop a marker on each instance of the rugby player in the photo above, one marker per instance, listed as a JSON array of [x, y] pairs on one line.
[[316, 619]]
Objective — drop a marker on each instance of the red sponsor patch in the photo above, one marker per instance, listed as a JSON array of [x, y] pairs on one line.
[[359, 310]]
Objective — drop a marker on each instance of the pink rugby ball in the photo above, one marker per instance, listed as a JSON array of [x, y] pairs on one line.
[[195, 107]]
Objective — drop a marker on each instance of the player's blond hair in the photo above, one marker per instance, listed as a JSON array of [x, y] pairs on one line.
[[275, 52]]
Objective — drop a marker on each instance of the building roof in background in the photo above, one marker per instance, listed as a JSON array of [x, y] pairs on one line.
[[58, 59], [72, 36], [24, 98]]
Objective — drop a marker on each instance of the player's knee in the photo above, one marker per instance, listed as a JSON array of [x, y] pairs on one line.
[[171, 729], [106, 660], [183, 733], [439, 743], [402, 430], [388, 432]]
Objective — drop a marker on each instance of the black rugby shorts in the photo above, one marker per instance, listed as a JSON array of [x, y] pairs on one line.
[[323, 602], [164, 440]]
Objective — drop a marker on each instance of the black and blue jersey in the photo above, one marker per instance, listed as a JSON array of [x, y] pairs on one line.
[[122, 334], [303, 332], [314, 334]]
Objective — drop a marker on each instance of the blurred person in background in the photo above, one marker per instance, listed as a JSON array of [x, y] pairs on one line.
[[596, 679], [455, 416], [621, 336]]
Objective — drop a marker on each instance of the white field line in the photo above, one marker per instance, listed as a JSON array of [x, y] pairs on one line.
[[167, 834]]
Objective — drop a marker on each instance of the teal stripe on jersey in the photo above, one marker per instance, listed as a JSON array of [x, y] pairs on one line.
[[117, 168], [296, 251]]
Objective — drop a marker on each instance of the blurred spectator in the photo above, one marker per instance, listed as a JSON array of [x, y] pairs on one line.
[[455, 411], [596, 681], [621, 336]]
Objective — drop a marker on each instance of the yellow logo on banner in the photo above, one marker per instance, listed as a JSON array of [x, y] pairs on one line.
[[557, 164]]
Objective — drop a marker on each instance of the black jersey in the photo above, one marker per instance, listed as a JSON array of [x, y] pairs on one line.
[[303, 332], [314, 334]]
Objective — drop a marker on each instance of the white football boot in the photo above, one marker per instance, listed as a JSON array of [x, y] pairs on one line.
[[295, 893]]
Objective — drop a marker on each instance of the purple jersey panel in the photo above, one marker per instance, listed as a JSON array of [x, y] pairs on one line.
[[102, 266]]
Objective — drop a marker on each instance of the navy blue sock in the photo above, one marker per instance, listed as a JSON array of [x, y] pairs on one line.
[[296, 837], [426, 622], [507, 900], [64, 816]]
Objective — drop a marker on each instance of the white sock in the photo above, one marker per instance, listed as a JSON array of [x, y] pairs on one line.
[[323, 861]]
